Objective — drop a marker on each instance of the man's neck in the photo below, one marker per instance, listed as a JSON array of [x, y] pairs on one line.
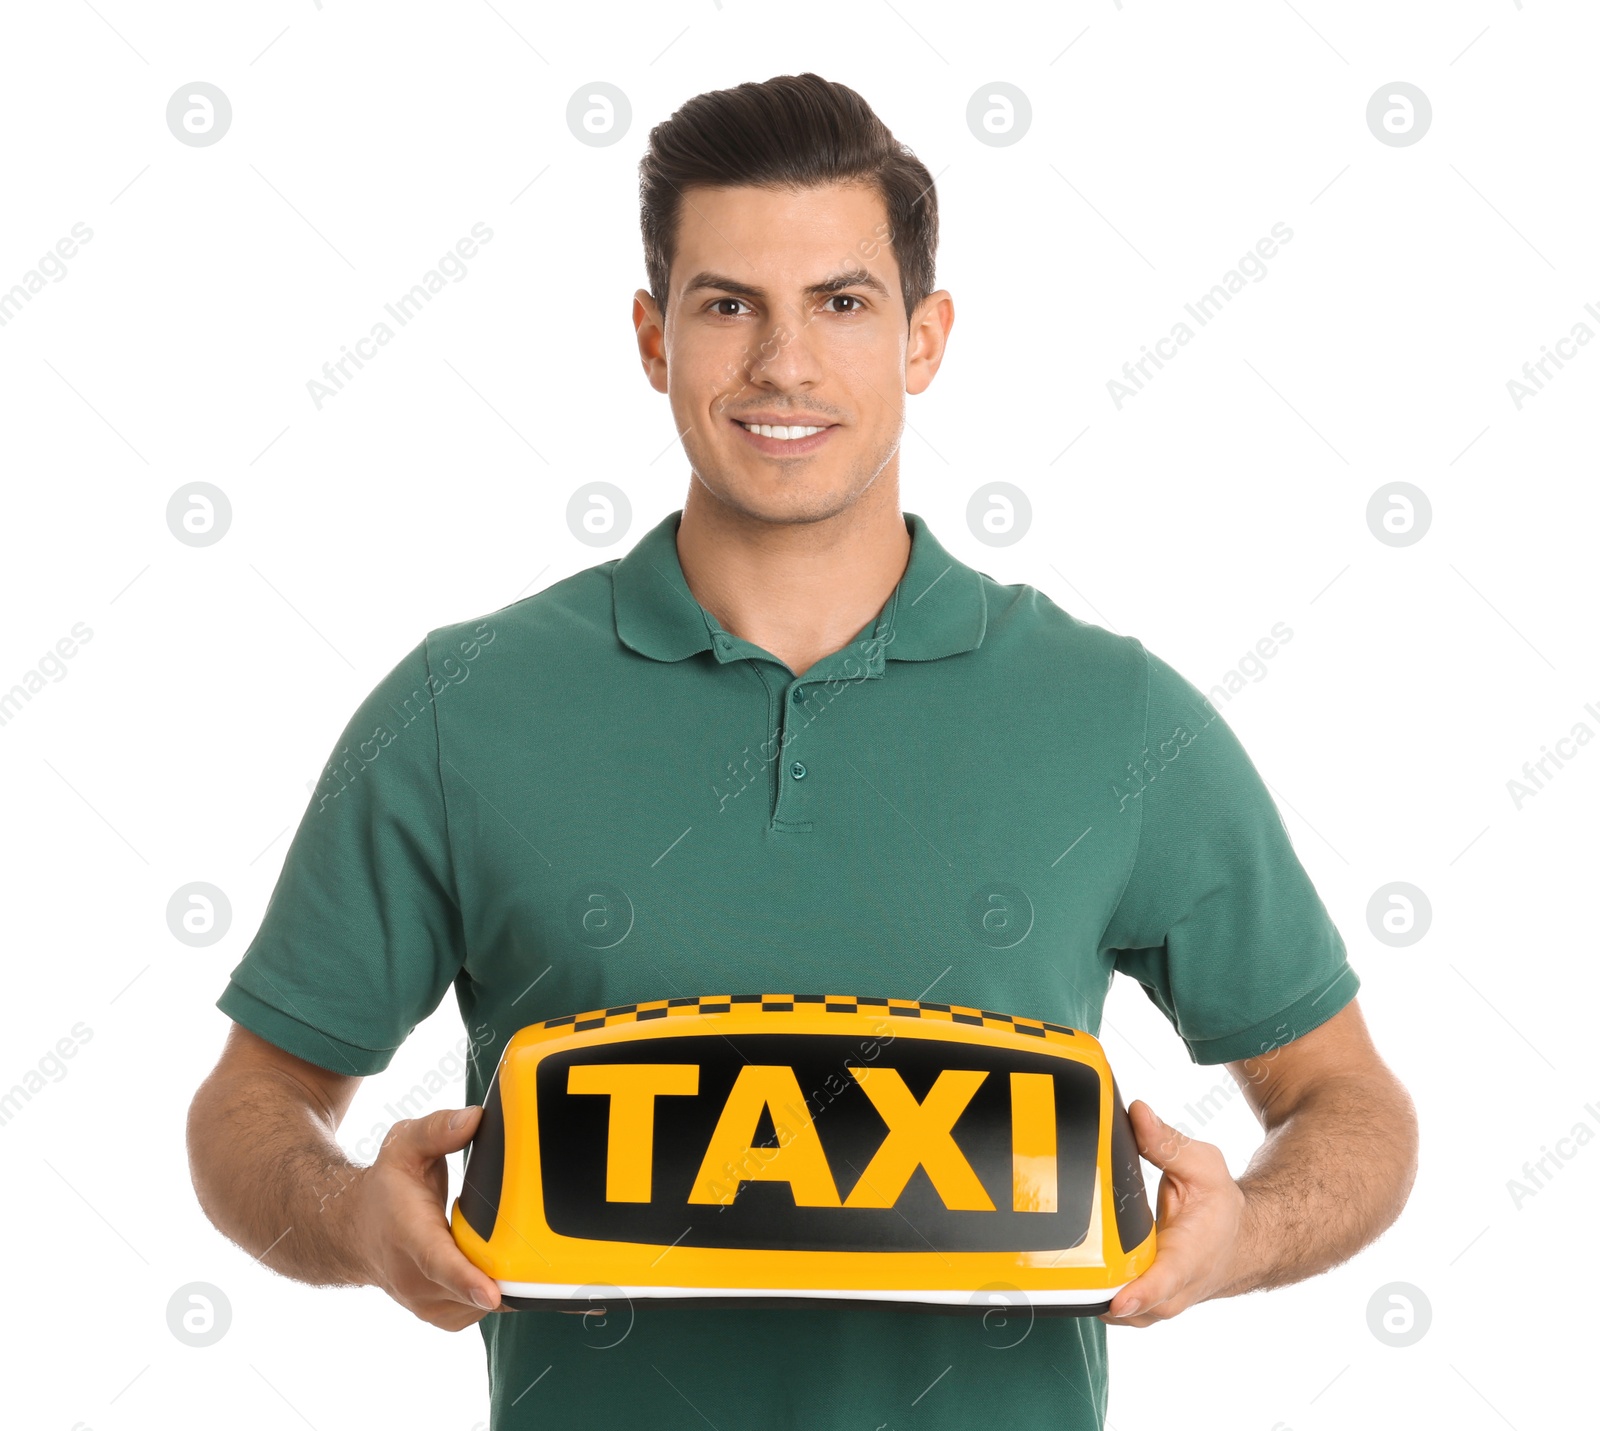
[[800, 590]]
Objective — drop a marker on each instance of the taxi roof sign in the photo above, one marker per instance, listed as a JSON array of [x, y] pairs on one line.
[[777, 1147]]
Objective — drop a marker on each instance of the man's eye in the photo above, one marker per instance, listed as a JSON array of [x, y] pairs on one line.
[[847, 298], [717, 308]]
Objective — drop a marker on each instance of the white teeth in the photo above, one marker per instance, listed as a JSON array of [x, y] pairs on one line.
[[783, 434]]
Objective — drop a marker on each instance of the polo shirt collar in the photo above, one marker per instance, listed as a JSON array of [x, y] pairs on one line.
[[937, 609]]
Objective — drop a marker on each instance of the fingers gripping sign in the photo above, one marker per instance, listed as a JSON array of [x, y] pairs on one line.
[[401, 1228], [1199, 1218]]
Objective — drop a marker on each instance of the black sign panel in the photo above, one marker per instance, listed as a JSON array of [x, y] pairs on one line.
[[773, 1141]]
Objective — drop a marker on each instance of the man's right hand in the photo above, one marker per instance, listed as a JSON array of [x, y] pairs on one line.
[[398, 1229]]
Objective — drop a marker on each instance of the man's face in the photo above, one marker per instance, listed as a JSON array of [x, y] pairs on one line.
[[784, 310]]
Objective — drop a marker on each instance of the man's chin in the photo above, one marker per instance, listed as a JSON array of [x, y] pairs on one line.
[[777, 494]]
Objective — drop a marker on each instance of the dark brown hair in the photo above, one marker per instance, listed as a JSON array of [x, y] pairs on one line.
[[792, 131]]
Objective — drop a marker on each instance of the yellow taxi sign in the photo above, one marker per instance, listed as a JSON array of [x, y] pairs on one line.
[[813, 1146]]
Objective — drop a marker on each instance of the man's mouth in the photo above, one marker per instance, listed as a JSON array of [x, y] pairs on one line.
[[783, 434]]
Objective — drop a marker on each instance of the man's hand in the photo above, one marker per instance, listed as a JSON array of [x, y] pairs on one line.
[[1200, 1222], [270, 1174], [1333, 1172], [394, 1212]]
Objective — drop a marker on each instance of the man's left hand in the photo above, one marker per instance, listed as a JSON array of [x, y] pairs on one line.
[[1201, 1226]]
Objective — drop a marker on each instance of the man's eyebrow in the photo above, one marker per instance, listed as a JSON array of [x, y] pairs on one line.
[[835, 283]]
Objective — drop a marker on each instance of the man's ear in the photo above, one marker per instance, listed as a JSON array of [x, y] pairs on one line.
[[925, 343], [650, 332]]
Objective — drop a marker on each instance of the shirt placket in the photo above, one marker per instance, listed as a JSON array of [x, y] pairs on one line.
[[797, 748]]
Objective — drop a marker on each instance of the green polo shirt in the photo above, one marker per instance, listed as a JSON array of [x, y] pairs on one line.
[[597, 796]]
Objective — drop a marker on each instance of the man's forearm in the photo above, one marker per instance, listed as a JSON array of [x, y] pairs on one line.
[[1331, 1176], [270, 1175]]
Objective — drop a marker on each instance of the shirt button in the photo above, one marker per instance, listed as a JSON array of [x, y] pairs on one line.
[[799, 695], [723, 643], [798, 771]]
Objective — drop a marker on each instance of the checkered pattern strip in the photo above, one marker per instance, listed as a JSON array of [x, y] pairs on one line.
[[829, 1003]]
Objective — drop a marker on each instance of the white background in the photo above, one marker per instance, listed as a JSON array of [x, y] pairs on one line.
[[1229, 495]]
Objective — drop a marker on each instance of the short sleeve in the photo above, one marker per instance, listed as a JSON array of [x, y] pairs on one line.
[[1218, 920], [362, 935]]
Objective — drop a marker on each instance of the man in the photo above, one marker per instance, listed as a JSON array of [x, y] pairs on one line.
[[788, 743]]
